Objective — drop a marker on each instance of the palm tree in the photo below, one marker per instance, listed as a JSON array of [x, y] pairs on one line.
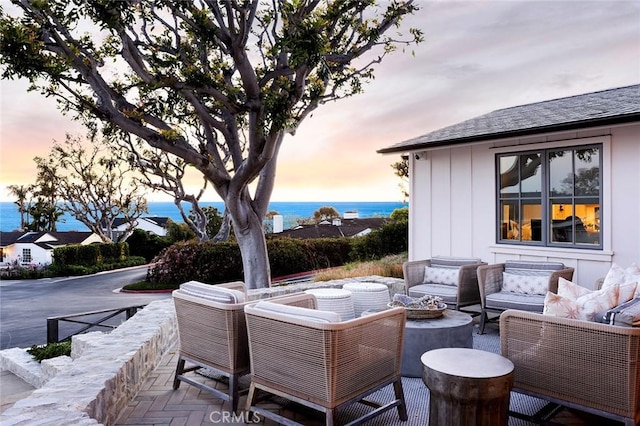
[[21, 192]]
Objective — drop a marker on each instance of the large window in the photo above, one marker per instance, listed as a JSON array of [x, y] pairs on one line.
[[550, 197], [26, 255]]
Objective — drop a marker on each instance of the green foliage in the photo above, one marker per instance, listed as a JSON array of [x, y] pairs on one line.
[[90, 255], [220, 262], [391, 238], [192, 260], [401, 214], [78, 270], [214, 220], [50, 350], [146, 244], [179, 232], [325, 213]]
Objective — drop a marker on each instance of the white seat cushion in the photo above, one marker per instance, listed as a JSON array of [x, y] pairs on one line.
[[296, 312]]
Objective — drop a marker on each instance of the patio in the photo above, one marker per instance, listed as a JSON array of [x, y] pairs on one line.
[[157, 403]]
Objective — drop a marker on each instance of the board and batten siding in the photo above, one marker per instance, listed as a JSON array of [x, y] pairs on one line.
[[453, 202]]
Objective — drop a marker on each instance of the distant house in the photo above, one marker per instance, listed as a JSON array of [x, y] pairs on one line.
[[556, 180], [155, 224], [36, 248], [335, 228]]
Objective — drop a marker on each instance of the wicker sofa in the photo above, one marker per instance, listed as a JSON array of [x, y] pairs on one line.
[[579, 364]]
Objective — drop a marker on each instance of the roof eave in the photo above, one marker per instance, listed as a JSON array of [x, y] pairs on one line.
[[600, 122]]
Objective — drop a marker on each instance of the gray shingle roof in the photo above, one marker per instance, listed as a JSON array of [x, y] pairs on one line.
[[606, 107]]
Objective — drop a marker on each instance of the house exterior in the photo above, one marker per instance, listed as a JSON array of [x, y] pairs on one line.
[[36, 248], [155, 224], [557, 180]]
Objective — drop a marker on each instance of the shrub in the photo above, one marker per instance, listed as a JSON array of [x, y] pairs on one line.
[[146, 244], [390, 238], [221, 262], [207, 262], [50, 350]]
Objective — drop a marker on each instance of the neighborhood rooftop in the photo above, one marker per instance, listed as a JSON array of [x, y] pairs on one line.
[[603, 108]]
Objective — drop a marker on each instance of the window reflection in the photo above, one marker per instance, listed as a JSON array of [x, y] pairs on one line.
[[521, 196], [550, 196]]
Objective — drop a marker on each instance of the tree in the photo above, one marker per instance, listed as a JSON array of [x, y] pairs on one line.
[[401, 169], [325, 213], [216, 84], [22, 193], [164, 172], [214, 221], [95, 188]]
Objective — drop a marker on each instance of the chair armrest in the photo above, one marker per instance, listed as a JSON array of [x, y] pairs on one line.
[[585, 363], [489, 280], [468, 291], [414, 272]]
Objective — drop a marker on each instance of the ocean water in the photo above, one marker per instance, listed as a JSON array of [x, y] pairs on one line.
[[291, 211]]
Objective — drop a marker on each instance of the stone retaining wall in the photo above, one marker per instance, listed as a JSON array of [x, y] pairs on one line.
[[105, 370]]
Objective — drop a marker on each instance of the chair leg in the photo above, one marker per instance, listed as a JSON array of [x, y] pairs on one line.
[[332, 417], [234, 391], [179, 371], [399, 392], [483, 320], [250, 397]]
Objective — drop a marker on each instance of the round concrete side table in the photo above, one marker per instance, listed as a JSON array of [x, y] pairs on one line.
[[453, 330], [467, 387]]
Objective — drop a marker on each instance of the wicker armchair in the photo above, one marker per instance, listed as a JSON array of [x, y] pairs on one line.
[[495, 298], [212, 335], [579, 364], [323, 365], [463, 292]]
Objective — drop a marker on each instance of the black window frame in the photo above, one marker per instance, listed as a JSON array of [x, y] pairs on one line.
[[546, 198]]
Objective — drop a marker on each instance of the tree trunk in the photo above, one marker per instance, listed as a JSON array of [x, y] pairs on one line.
[[253, 247]]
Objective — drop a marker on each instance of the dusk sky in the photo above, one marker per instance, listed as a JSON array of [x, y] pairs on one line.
[[478, 56]]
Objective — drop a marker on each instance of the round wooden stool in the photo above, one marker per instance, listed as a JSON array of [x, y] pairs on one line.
[[467, 386]]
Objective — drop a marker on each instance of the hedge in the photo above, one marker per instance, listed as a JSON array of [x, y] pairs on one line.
[[221, 262], [90, 255]]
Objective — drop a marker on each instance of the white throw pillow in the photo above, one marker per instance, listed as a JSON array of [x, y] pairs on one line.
[[525, 284], [560, 306], [589, 306], [570, 289], [446, 276]]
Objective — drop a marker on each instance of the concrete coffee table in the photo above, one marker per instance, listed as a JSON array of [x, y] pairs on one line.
[[453, 330]]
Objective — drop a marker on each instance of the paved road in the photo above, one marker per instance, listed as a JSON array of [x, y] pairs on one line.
[[25, 305]]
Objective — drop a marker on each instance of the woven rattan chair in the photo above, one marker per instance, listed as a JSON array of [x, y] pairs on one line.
[[324, 365], [456, 295], [212, 335], [578, 364], [493, 297]]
